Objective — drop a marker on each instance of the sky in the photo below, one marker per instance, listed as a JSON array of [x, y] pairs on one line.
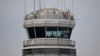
[[86, 32]]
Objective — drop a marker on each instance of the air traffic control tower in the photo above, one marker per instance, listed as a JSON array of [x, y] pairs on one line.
[[49, 31]]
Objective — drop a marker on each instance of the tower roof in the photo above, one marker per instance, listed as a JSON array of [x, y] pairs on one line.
[[49, 13]]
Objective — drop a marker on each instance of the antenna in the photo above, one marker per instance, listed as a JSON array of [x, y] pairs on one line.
[[44, 3], [64, 5], [25, 7], [39, 3], [58, 4], [34, 5], [61, 4], [54, 10], [73, 6]]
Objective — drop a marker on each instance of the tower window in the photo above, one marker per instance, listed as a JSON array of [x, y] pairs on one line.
[[69, 31], [64, 32], [37, 51], [27, 51], [31, 32], [73, 51], [64, 51], [40, 32], [50, 50], [51, 32]]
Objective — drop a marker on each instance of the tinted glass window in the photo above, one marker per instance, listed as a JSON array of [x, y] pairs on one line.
[[40, 32], [40, 50], [64, 51], [51, 32], [69, 31], [31, 32], [73, 51], [62, 32], [27, 51], [50, 50]]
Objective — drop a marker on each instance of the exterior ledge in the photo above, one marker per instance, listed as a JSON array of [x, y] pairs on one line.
[[49, 42], [49, 22]]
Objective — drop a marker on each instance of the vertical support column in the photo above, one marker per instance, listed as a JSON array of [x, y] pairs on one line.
[[45, 29], [35, 32], [27, 33]]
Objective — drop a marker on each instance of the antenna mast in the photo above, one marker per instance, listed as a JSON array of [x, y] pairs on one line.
[[39, 3], [61, 4], [58, 4], [25, 7], [73, 6], [34, 5], [64, 6], [44, 3]]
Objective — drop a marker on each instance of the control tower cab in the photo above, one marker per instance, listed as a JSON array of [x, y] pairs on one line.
[[49, 31], [49, 23]]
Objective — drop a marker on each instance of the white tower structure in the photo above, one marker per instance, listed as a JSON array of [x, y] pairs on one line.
[[49, 31]]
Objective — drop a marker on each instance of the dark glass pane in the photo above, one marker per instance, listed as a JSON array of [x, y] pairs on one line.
[[64, 51], [51, 32], [40, 32], [36, 51], [69, 31], [73, 51], [51, 50], [31, 32], [27, 51], [62, 32]]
